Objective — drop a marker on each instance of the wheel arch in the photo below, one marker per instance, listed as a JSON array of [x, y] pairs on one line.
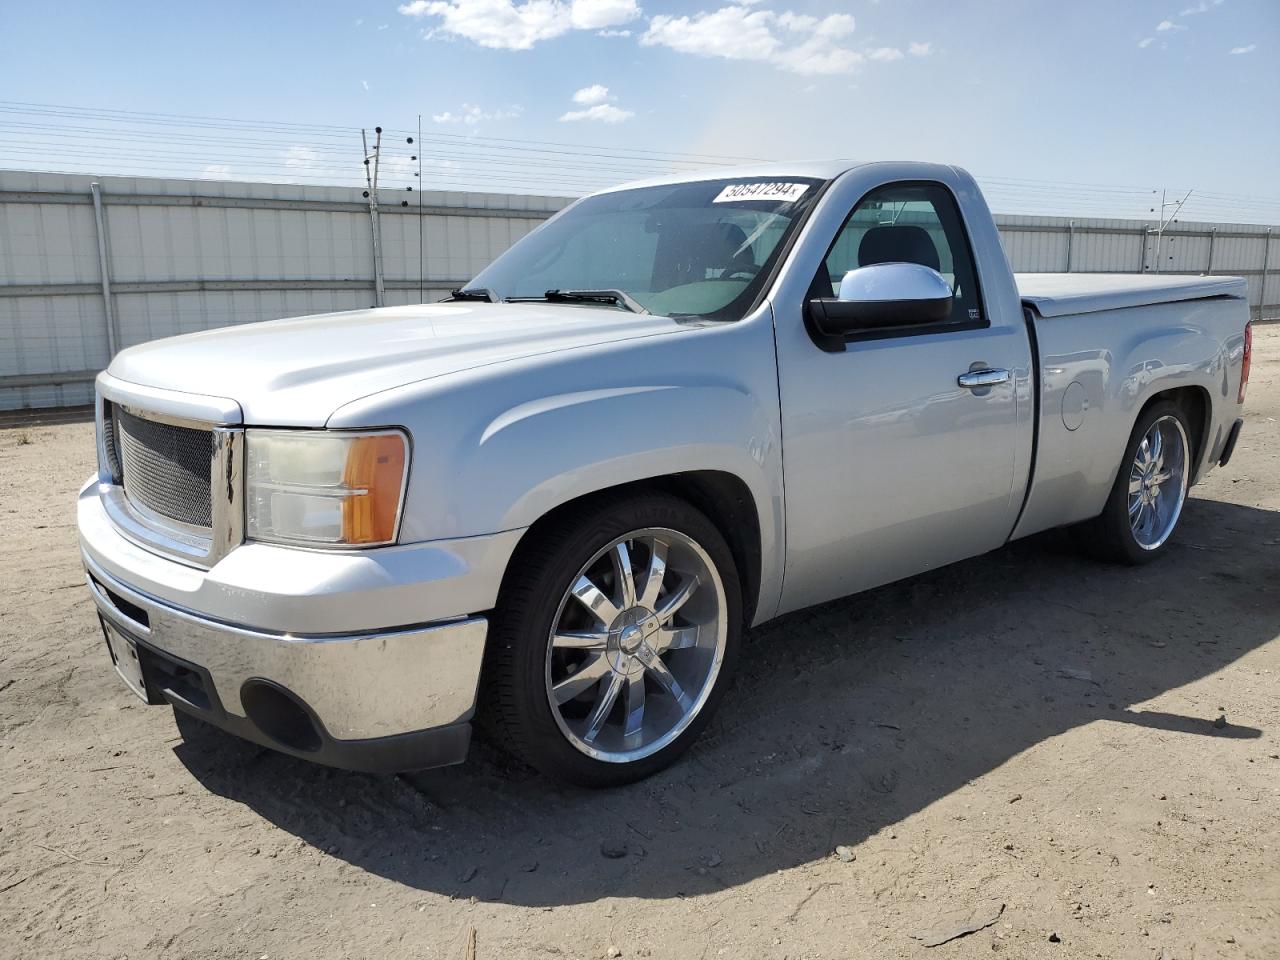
[[1196, 405], [723, 497], [1111, 535]]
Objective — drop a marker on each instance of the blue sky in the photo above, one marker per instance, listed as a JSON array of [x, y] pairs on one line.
[[1138, 94]]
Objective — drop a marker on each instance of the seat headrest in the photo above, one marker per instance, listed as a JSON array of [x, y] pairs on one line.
[[898, 244], [733, 236], [699, 248]]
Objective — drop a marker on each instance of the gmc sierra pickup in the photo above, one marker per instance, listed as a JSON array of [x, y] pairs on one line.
[[674, 410]]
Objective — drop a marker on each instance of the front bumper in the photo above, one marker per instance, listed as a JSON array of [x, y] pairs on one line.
[[380, 699]]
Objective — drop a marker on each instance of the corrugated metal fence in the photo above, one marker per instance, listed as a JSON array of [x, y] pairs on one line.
[[1064, 245], [185, 255], [86, 270]]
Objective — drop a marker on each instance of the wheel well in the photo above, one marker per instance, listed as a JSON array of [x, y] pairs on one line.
[[1195, 405], [724, 498]]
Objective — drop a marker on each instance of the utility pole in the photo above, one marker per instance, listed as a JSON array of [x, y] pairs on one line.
[[421, 299], [1165, 221], [371, 179]]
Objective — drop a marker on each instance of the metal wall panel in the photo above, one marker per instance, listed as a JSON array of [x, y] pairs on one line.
[[192, 255], [1106, 252], [47, 244]]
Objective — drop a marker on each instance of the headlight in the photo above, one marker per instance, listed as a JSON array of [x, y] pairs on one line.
[[316, 488]]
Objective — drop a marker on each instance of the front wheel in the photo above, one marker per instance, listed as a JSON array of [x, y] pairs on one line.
[[614, 639], [1150, 491]]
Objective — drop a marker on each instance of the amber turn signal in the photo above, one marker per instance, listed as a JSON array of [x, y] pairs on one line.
[[375, 476]]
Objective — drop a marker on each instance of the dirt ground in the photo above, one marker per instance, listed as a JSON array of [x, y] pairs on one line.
[[1027, 737]]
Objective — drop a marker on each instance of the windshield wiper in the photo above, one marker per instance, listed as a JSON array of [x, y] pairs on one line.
[[619, 297], [475, 293]]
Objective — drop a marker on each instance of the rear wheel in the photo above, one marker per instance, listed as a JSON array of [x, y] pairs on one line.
[[1150, 491], [614, 639]]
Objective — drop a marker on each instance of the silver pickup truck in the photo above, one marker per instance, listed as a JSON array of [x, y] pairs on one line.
[[553, 502]]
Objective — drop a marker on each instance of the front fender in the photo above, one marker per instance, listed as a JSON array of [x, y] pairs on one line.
[[545, 453], [498, 448]]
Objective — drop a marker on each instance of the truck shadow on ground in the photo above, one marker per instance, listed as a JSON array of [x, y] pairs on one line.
[[842, 721]]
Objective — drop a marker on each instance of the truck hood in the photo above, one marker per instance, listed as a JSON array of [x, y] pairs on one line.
[[297, 372]]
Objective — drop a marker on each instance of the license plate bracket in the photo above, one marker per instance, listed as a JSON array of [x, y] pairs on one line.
[[124, 655]]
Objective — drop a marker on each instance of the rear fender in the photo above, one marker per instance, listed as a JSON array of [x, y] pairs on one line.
[[1091, 396]]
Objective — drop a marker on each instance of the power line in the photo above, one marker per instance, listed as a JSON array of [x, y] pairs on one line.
[[171, 144], [269, 151], [333, 168], [330, 130], [448, 182]]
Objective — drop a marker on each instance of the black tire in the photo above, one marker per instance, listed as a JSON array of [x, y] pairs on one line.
[[515, 706], [1110, 536]]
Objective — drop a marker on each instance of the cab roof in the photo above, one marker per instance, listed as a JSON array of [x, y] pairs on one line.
[[807, 169]]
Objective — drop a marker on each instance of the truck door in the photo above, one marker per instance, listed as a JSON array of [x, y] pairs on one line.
[[891, 465]]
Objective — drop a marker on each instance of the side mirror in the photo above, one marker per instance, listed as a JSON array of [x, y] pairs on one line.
[[883, 295]]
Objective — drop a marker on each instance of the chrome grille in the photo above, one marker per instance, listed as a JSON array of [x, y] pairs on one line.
[[166, 468], [110, 452]]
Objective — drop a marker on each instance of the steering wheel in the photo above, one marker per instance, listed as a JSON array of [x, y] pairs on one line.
[[746, 271]]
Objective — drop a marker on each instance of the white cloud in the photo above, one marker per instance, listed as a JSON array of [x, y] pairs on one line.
[[801, 22], [595, 101], [601, 112], [1164, 26], [820, 53], [735, 33], [394, 167], [1146, 42], [306, 162], [470, 115], [216, 170], [801, 43], [592, 95], [301, 158], [508, 25], [798, 42], [1236, 51], [365, 84], [1204, 6], [597, 14], [837, 25], [818, 57]]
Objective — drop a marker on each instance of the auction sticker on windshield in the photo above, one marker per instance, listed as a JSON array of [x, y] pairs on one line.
[[786, 192]]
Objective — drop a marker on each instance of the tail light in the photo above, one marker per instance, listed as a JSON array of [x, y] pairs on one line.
[[1248, 357]]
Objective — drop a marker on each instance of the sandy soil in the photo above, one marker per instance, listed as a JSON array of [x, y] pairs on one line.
[[1027, 736]]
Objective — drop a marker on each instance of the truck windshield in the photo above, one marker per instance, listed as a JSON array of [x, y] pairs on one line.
[[688, 249]]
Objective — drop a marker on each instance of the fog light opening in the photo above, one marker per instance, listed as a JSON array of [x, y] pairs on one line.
[[280, 715]]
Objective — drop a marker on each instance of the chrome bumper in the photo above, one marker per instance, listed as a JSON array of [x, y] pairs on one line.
[[304, 651], [384, 700]]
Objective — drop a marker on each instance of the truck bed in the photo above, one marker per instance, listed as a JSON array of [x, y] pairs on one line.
[[1059, 294]]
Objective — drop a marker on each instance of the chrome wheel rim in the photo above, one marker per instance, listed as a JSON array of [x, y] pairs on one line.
[[1158, 482], [636, 645]]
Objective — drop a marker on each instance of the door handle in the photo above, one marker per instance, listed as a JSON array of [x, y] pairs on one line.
[[982, 378]]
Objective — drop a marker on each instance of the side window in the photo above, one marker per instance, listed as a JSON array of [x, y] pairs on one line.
[[907, 223]]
